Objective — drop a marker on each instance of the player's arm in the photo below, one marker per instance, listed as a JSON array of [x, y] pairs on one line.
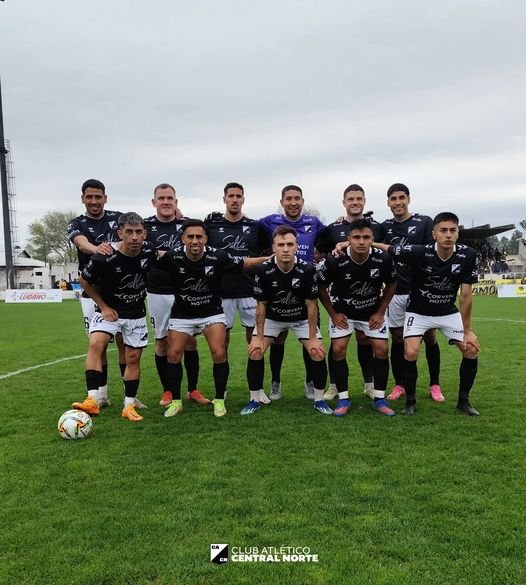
[[108, 314], [466, 304], [84, 245], [378, 317], [380, 246], [313, 344], [257, 343], [250, 263], [339, 319]]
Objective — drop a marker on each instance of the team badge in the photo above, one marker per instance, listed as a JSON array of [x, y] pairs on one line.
[[144, 263], [219, 553], [375, 272], [246, 229], [209, 270], [295, 282], [411, 229], [308, 228], [455, 268], [112, 224]]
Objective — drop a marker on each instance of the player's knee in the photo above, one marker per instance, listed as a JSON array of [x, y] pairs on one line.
[[338, 352], [397, 335], [470, 352], [191, 344], [174, 355], [161, 346], [410, 354], [381, 351], [218, 355]]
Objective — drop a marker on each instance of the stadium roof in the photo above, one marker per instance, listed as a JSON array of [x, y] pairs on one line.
[[483, 231]]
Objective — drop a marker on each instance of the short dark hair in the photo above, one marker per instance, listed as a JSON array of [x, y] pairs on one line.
[[283, 230], [353, 187], [398, 187], [93, 184], [163, 186], [360, 224], [130, 218], [233, 186], [291, 188], [446, 216], [189, 223]]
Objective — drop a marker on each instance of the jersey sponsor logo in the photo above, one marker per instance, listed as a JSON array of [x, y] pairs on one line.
[[209, 270], [455, 268], [296, 282], [375, 272]]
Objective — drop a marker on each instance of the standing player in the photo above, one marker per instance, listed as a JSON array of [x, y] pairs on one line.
[[356, 303], [163, 232], [407, 228], [338, 231], [196, 273], [92, 233], [286, 293], [117, 285], [439, 270], [308, 229]]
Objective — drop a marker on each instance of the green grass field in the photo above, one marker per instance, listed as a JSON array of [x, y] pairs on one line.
[[436, 498]]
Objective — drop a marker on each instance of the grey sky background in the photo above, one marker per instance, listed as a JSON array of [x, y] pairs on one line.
[[320, 94]]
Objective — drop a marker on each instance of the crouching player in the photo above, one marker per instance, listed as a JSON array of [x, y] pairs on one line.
[[117, 284], [286, 291], [438, 271], [357, 303]]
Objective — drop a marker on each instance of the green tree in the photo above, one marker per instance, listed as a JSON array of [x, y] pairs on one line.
[[49, 239], [523, 225], [514, 242]]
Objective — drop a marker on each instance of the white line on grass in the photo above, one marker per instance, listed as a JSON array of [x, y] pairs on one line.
[[491, 319]]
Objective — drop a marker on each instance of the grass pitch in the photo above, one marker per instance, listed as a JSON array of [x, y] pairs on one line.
[[436, 498]]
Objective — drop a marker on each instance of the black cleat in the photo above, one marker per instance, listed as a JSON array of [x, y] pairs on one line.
[[466, 408], [409, 409]]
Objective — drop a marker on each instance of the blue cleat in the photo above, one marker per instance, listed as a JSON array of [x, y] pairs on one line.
[[382, 407], [342, 408], [323, 407], [251, 407]]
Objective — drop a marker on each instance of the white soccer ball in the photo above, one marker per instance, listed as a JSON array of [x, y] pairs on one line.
[[75, 424]]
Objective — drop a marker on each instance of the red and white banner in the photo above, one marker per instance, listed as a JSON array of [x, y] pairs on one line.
[[33, 296]]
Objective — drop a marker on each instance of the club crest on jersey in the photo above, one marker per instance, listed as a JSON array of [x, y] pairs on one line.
[[411, 229], [295, 282], [455, 268], [209, 270], [112, 224], [144, 262], [246, 229], [375, 272], [308, 228]]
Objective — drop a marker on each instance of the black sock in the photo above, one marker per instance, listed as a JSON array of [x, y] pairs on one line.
[[341, 375], [365, 359], [93, 379], [308, 361], [104, 375], [330, 363], [319, 374], [191, 365], [130, 388], [467, 373], [397, 363], [122, 368], [411, 376], [276, 359], [221, 372], [433, 363], [174, 375], [160, 364], [381, 373], [255, 374]]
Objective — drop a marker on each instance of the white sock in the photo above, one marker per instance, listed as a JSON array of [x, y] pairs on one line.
[[343, 395], [103, 391], [254, 395], [318, 394], [128, 401], [94, 394]]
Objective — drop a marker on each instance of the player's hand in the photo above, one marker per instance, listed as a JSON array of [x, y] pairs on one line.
[[470, 339], [109, 314], [340, 321], [315, 348], [376, 321], [339, 250], [105, 249], [255, 348]]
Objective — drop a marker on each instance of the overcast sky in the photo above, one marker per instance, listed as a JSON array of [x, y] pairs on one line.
[[317, 93]]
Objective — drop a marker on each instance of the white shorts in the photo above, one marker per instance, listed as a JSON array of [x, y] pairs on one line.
[[451, 326], [134, 331], [299, 328], [159, 307], [352, 324], [88, 310], [245, 306], [396, 311], [195, 326]]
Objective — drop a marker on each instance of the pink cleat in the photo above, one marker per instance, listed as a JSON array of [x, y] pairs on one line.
[[396, 393], [436, 393]]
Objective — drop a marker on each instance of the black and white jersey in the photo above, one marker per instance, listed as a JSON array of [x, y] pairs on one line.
[[197, 283], [121, 280], [416, 229], [357, 287], [338, 231], [285, 292], [435, 281], [245, 238], [162, 235], [97, 231]]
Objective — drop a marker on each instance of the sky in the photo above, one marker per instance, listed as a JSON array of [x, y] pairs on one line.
[[318, 94]]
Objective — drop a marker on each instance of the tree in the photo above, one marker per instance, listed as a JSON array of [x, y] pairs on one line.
[[49, 239], [514, 242], [523, 225]]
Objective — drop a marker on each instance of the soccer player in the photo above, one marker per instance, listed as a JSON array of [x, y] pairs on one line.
[[92, 233], [308, 229], [439, 270], [357, 303], [407, 228], [117, 285], [196, 273], [338, 231], [286, 293], [163, 232]]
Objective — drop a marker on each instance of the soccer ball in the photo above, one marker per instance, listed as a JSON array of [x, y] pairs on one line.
[[75, 424]]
